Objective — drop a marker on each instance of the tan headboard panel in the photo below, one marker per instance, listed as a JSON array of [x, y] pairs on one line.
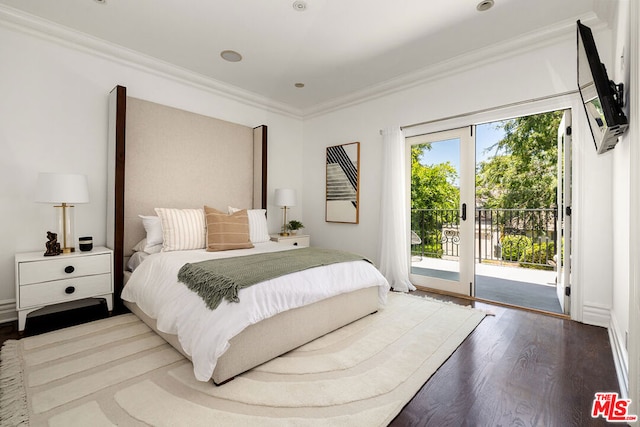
[[178, 159]]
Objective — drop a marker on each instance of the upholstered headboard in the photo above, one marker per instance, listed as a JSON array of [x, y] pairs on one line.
[[165, 157]]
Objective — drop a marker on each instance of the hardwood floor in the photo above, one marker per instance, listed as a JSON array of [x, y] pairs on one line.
[[516, 369]]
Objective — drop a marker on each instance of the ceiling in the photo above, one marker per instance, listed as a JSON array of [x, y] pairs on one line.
[[337, 48]]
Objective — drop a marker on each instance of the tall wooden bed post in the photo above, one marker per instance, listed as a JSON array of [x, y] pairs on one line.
[[260, 167], [115, 186]]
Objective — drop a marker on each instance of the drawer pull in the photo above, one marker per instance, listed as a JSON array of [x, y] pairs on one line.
[[69, 290], [295, 243], [69, 269]]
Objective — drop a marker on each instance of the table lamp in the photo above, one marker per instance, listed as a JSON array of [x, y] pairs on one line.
[[286, 198], [63, 190]]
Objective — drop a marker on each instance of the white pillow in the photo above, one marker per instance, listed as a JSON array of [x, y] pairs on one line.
[[182, 229], [153, 227], [258, 230], [139, 247], [142, 246]]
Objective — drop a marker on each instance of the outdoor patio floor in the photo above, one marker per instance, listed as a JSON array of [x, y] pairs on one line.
[[522, 287]]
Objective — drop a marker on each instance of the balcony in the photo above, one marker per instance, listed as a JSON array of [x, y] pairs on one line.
[[515, 252]]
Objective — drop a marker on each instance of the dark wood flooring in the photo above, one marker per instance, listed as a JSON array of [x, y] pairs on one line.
[[517, 368]]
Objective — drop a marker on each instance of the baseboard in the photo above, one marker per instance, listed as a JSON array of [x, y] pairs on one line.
[[8, 311], [596, 315], [599, 315], [620, 356]]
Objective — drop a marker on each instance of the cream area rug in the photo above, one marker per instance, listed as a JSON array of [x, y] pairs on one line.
[[117, 371]]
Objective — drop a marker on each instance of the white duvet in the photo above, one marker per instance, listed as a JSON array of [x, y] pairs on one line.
[[203, 333]]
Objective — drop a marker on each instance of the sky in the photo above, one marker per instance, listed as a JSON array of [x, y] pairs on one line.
[[449, 150]]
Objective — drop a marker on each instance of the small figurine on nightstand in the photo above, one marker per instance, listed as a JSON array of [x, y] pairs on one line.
[[53, 247]]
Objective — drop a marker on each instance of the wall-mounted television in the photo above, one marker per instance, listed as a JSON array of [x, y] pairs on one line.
[[602, 98]]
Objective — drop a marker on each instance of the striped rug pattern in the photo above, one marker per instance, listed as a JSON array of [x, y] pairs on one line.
[[117, 371]]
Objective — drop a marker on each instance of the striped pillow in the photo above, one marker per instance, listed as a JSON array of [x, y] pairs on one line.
[[226, 232], [182, 229]]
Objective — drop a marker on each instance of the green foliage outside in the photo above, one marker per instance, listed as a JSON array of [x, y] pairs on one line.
[[520, 174], [514, 246], [538, 255], [432, 186]]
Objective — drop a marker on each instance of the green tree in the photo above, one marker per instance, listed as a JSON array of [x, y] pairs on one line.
[[432, 186], [522, 172]]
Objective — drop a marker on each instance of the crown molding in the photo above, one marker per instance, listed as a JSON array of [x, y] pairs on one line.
[[21, 21], [26, 23], [491, 54]]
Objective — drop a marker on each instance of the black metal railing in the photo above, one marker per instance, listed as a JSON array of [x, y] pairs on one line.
[[526, 237]]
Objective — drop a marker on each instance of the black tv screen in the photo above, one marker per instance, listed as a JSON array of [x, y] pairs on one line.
[[601, 97]]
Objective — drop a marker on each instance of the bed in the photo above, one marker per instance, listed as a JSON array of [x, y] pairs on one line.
[[147, 171]]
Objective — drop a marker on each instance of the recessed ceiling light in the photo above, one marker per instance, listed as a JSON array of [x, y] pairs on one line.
[[101, 1], [231, 56], [484, 5], [300, 5], [299, 85]]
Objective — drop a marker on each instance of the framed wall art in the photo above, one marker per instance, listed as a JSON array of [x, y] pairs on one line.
[[343, 183]]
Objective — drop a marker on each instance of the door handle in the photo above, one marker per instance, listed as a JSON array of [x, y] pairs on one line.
[[464, 212]]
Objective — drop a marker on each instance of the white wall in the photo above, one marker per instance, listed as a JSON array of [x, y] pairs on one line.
[[539, 72], [633, 104], [53, 115], [618, 70]]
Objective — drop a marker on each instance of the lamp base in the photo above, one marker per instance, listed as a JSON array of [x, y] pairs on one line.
[[284, 234], [66, 223]]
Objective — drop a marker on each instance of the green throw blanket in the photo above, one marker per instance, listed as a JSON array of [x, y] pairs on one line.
[[216, 279]]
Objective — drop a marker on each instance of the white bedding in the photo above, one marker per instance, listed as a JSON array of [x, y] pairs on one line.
[[136, 259], [204, 334]]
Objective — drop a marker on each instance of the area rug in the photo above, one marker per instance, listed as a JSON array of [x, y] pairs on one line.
[[117, 371]]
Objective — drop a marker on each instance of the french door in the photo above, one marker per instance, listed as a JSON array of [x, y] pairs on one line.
[[563, 278], [510, 254], [442, 225]]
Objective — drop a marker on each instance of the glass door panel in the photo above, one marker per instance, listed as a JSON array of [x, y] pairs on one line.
[[519, 211], [563, 254], [441, 211]]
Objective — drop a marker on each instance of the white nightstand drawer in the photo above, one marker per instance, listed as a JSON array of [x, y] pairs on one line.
[[64, 290], [63, 267], [301, 241]]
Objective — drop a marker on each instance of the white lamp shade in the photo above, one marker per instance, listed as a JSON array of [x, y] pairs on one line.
[[62, 188], [285, 197]]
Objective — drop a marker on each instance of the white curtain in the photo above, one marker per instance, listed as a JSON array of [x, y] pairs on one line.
[[394, 233]]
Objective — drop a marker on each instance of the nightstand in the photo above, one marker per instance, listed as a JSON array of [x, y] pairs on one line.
[[302, 240], [42, 281]]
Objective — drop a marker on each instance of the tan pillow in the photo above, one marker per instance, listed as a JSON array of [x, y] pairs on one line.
[[226, 232]]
